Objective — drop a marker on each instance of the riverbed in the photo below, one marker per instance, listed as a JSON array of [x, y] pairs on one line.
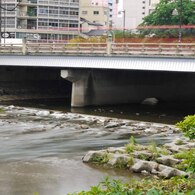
[[41, 149]]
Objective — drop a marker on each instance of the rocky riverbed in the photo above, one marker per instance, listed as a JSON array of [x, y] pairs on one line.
[[44, 148], [159, 161]]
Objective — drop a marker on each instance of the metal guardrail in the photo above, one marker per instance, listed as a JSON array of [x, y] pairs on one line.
[[100, 49]]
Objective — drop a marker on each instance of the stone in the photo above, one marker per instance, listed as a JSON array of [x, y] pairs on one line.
[[168, 172], [84, 126], [143, 155], [151, 130], [168, 160], [176, 148], [92, 154], [43, 113], [113, 125], [116, 150], [118, 160], [143, 165], [150, 101]]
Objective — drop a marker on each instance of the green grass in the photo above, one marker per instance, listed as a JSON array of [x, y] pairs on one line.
[[174, 186]]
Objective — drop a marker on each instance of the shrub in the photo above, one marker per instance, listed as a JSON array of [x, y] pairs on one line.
[[188, 160], [187, 126]]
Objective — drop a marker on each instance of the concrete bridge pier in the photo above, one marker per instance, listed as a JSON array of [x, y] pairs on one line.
[[82, 87]]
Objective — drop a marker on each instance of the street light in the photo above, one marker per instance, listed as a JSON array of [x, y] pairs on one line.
[[124, 15]]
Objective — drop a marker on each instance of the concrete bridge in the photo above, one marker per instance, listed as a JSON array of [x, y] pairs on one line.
[[102, 80]]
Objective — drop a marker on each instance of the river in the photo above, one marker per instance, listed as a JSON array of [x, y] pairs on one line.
[[42, 146]]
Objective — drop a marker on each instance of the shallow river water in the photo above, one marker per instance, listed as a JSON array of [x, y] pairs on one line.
[[41, 150]]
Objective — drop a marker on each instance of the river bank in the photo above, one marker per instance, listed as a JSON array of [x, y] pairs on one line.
[[43, 148]]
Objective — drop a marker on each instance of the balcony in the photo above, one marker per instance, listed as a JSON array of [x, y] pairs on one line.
[[29, 13]]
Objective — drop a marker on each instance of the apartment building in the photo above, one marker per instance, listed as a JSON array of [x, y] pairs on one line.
[[48, 20]]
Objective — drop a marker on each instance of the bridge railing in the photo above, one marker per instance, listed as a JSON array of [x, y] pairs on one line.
[[101, 49]]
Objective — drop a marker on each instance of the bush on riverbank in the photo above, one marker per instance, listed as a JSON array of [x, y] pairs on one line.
[[174, 186], [187, 126]]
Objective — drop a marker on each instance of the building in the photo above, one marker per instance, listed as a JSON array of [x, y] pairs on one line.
[[47, 20], [94, 14], [132, 11]]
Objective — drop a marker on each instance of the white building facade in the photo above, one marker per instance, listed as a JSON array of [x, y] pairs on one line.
[[132, 11], [43, 19]]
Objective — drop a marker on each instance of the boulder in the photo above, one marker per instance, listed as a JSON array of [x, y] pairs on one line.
[[168, 160], [143, 155], [91, 155], [118, 160], [150, 101], [168, 172], [176, 148], [143, 165]]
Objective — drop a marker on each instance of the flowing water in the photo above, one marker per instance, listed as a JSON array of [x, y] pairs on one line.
[[41, 151]]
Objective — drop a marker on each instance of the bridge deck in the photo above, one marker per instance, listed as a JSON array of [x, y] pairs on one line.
[[123, 63]]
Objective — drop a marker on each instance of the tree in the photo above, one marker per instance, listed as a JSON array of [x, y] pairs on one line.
[[163, 15]]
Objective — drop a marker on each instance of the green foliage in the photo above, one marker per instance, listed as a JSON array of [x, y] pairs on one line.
[[187, 126], [100, 159], [1, 110], [133, 146], [179, 142], [163, 15], [188, 160], [132, 140], [154, 150], [174, 186]]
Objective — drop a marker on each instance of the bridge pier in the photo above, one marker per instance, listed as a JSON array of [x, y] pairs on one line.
[[103, 87]]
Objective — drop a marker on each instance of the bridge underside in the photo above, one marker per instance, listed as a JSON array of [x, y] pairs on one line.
[[103, 87]]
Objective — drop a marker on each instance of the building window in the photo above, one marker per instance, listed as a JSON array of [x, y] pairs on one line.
[[95, 12], [84, 12]]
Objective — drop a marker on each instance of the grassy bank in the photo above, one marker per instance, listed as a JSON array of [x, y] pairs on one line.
[[173, 186]]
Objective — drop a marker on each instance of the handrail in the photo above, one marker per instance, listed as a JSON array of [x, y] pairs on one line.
[[105, 49]]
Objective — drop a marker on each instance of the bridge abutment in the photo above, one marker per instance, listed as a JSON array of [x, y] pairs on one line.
[[103, 87]]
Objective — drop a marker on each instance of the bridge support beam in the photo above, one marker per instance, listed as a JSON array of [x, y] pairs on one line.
[[103, 87]]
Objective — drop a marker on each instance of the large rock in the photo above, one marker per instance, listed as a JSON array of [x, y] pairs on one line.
[[143, 155], [119, 160], [176, 148], [142, 165], [91, 155], [168, 160], [150, 101], [168, 172]]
